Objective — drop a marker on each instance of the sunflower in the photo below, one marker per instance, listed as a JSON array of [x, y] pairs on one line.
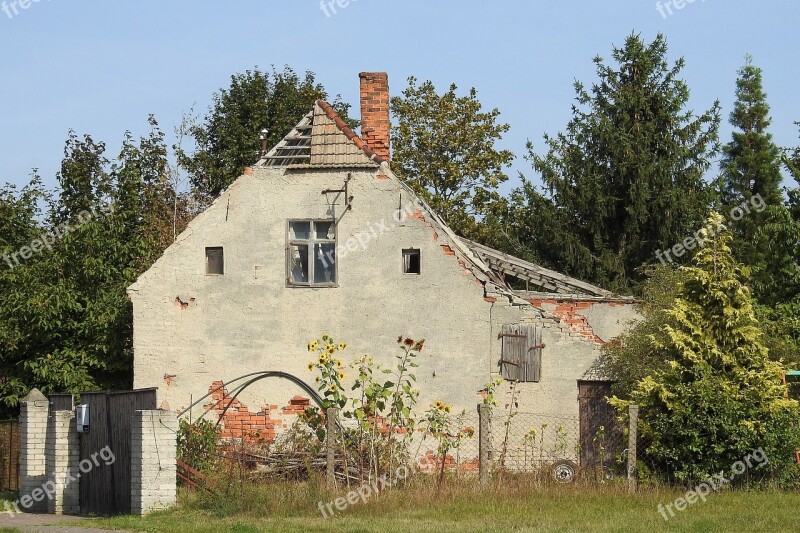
[[409, 342], [325, 337], [330, 348], [400, 339], [339, 363], [323, 359], [441, 407], [312, 346], [342, 345], [332, 388], [341, 375], [316, 379], [310, 367]]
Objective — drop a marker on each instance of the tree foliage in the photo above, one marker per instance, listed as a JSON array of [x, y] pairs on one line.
[[65, 320], [626, 177], [227, 139], [444, 148], [764, 239], [718, 396]]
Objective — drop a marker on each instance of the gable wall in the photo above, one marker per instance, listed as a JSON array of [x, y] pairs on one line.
[[191, 330]]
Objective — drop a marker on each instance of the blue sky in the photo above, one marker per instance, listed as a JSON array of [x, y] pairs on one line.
[[102, 67]]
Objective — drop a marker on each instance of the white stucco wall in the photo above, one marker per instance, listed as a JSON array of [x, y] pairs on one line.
[[248, 320]]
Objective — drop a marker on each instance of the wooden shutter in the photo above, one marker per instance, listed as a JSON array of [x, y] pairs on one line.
[[521, 354]]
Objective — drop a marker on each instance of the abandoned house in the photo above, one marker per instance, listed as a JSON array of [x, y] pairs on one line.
[[320, 236]]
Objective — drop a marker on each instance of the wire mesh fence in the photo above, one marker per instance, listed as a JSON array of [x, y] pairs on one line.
[[564, 447]]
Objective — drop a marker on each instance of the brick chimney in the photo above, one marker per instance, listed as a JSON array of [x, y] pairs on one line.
[[375, 112]]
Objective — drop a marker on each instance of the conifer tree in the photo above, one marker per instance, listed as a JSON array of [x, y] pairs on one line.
[[626, 177], [765, 236], [719, 396]]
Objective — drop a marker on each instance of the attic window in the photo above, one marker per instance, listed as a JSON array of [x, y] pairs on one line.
[[311, 253], [412, 262], [215, 261]]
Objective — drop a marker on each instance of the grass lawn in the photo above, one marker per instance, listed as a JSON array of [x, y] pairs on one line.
[[514, 507]]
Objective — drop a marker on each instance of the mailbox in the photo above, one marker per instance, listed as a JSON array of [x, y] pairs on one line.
[[82, 418]]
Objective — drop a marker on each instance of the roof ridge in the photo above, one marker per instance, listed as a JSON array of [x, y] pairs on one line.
[[349, 133]]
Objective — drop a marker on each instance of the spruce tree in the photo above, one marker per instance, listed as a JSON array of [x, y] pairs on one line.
[[626, 177], [765, 236]]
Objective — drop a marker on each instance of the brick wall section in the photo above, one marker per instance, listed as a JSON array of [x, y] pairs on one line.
[[153, 456], [62, 459], [375, 112], [238, 422], [33, 431], [568, 312]]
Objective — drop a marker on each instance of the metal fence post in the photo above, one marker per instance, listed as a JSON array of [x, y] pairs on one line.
[[633, 422], [484, 467], [332, 414]]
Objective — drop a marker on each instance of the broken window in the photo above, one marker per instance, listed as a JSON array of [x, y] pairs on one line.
[[215, 261], [311, 253], [411, 262], [521, 353]]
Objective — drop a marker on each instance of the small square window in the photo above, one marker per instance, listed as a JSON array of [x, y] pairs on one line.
[[215, 261], [411, 262]]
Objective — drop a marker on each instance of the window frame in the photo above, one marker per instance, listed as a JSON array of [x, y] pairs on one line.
[[311, 242], [411, 251], [221, 249]]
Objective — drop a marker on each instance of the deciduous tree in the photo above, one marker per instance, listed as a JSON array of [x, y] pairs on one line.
[[444, 147]]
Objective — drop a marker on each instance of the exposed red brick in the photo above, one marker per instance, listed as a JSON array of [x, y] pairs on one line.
[[447, 250], [490, 299], [239, 423], [567, 312], [382, 177], [375, 122]]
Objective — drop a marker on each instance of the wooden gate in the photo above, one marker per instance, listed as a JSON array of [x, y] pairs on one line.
[[9, 455], [106, 489], [602, 439]]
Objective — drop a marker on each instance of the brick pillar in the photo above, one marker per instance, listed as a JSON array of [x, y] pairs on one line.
[[34, 409], [375, 112], [63, 456], [154, 444]]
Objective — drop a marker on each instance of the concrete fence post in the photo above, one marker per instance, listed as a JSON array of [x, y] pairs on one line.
[[332, 415], [154, 446], [633, 437], [484, 464], [34, 410], [62, 459]]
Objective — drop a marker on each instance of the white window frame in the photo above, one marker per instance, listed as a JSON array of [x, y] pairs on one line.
[[310, 242]]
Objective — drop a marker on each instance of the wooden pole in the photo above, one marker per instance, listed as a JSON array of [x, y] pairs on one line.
[[633, 423], [332, 414], [484, 467]]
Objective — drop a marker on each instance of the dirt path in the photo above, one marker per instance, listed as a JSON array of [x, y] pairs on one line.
[[31, 523]]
